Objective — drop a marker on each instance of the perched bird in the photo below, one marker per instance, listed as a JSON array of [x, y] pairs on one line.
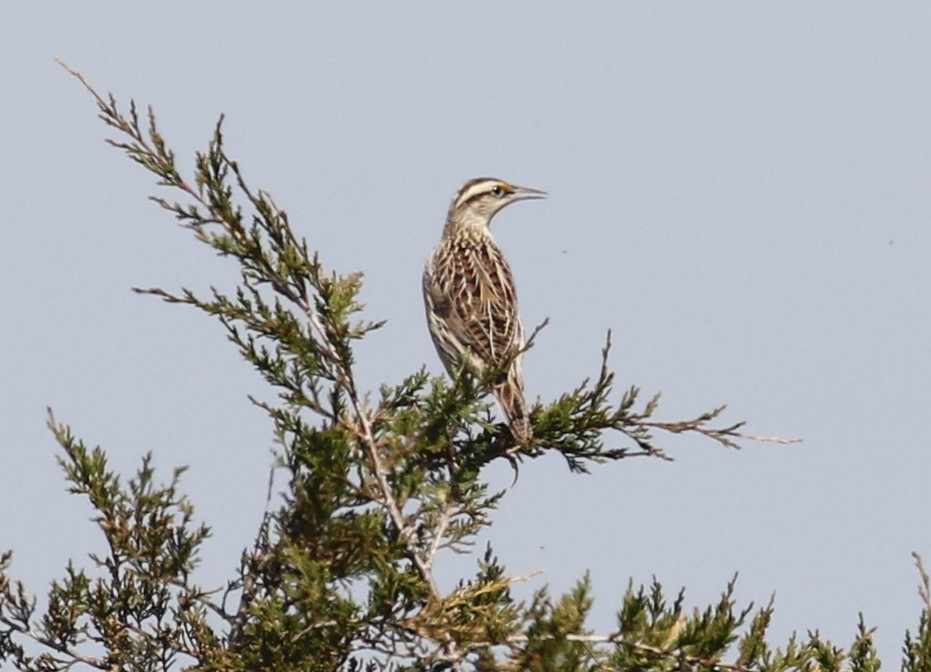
[[470, 298]]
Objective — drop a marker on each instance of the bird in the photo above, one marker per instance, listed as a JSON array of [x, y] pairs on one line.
[[471, 300]]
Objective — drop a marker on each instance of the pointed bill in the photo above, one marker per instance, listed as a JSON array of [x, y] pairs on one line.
[[526, 193]]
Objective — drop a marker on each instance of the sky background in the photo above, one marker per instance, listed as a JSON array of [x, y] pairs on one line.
[[740, 191]]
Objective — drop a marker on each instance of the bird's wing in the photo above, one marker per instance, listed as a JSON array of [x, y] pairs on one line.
[[484, 302]]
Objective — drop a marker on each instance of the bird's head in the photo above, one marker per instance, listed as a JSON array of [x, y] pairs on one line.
[[480, 199]]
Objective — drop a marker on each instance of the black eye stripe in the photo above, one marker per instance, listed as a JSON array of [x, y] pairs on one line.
[[480, 189]]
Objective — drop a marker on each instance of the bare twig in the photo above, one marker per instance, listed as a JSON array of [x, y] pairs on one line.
[[924, 588], [728, 436], [68, 651], [439, 533]]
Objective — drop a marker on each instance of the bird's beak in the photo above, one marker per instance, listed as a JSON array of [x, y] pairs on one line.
[[525, 193]]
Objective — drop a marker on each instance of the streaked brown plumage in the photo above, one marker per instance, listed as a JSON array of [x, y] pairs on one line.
[[470, 298]]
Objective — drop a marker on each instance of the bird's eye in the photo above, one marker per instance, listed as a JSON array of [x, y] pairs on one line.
[[498, 191]]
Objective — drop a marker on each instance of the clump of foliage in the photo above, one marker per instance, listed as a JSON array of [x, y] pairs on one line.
[[341, 574]]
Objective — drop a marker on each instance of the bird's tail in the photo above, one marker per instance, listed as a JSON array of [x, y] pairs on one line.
[[510, 394]]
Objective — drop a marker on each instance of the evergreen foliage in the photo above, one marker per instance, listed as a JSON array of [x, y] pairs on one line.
[[341, 572]]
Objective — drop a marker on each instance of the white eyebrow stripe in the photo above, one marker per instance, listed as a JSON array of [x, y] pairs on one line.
[[476, 188]]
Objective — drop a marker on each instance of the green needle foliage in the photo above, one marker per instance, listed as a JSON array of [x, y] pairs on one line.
[[341, 575]]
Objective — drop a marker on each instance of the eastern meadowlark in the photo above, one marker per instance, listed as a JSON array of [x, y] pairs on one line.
[[470, 298]]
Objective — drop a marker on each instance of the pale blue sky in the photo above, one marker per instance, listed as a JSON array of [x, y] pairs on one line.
[[741, 191]]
